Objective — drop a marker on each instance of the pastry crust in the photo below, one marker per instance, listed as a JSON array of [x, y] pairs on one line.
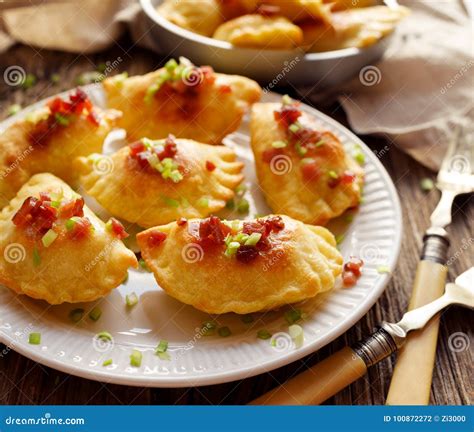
[[143, 196], [282, 180], [202, 16], [257, 31], [69, 270], [360, 27], [303, 262], [21, 156], [204, 113]]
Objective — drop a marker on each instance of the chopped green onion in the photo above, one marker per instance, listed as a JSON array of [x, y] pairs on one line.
[[382, 269], [292, 316], [34, 338], [339, 238], [296, 333], [359, 157], [143, 265], [76, 315], [320, 143], [286, 100], [426, 184], [107, 362], [89, 77], [264, 334], [232, 249], [104, 335], [95, 314], [163, 356], [13, 109], [230, 205], [294, 127], [131, 299], [49, 238], [162, 347], [224, 331], [247, 319], [36, 257], [203, 202], [208, 328], [101, 67], [136, 358], [170, 202], [29, 81], [171, 65], [55, 78], [61, 119], [241, 238], [240, 189], [333, 174], [300, 149], [253, 239], [279, 144], [243, 206], [70, 223], [120, 79]]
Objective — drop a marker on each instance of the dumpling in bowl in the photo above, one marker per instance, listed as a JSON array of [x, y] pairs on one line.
[[257, 31], [241, 266], [360, 27], [155, 182], [299, 10], [349, 4], [48, 140], [235, 8], [199, 16], [303, 170], [182, 99], [55, 249]]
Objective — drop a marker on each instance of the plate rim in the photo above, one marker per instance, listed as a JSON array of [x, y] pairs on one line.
[[243, 372]]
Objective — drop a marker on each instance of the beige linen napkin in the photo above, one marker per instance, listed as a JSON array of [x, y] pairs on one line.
[[414, 95]]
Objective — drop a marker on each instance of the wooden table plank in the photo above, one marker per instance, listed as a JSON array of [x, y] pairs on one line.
[[25, 382]]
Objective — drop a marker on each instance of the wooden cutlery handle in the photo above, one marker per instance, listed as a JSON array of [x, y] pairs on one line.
[[411, 381], [318, 383]]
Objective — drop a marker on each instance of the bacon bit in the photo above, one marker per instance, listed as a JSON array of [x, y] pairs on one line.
[[36, 214], [310, 170], [72, 208], [348, 177], [225, 89], [264, 226], [210, 166], [287, 115], [270, 153], [352, 271], [181, 221], [170, 148], [155, 238], [81, 229], [212, 231], [118, 229], [334, 182], [136, 148], [140, 153], [246, 254]]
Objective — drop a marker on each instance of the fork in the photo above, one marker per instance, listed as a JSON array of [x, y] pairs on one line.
[[411, 380]]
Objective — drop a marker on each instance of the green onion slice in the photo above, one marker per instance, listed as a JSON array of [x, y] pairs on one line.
[[292, 316], [296, 333], [95, 314], [76, 315], [49, 238], [264, 334], [131, 299], [104, 335], [107, 362], [34, 338], [162, 347], [136, 358], [279, 144], [224, 331], [253, 239]]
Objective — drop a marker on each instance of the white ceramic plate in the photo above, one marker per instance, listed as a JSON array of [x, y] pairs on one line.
[[374, 235]]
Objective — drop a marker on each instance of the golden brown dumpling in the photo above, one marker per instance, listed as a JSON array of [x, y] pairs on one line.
[[155, 182], [219, 266], [235, 8], [181, 99], [349, 4], [300, 10], [199, 16], [49, 139], [302, 169], [257, 31], [54, 248], [358, 28]]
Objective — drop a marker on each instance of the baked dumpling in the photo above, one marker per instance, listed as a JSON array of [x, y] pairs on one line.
[[302, 169], [54, 248], [156, 182], [300, 10], [182, 99], [234, 8], [241, 266], [349, 4], [199, 16], [360, 27], [49, 139], [258, 31]]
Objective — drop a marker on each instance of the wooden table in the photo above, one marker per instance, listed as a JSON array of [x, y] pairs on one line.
[[23, 381]]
